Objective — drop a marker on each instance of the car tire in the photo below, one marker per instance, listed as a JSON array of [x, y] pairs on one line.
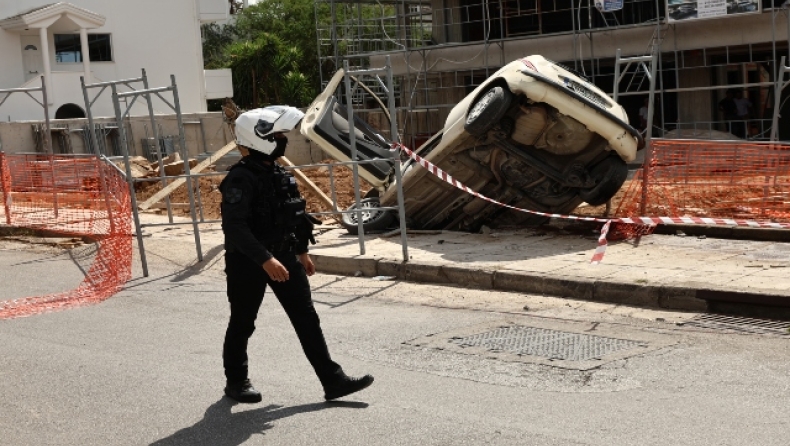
[[489, 108], [373, 219], [609, 176]]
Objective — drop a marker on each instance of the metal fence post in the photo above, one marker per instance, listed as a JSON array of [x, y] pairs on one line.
[[649, 132], [129, 179], [779, 86], [93, 145], [185, 155], [354, 168], [160, 162], [396, 158]]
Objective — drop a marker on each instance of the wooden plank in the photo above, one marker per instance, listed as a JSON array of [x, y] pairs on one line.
[[179, 181], [173, 205]]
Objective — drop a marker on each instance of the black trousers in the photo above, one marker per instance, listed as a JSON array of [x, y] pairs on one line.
[[246, 285]]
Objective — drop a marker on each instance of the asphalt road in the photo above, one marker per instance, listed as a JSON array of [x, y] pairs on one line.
[[34, 269], [144, 367]]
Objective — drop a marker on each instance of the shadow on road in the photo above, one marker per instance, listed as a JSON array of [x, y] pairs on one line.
[[221, 427], [209, 259]]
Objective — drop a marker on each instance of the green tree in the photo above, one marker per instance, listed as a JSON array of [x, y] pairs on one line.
[[249, 46], [293, 21], [272, 51], [266, 71], [216, 39]]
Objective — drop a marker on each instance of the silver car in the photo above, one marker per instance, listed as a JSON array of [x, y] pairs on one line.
[[533, 135]]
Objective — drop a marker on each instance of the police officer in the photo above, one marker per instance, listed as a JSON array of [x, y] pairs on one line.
[[266, 237]]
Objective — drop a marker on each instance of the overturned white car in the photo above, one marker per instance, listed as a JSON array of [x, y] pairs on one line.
[[533, 135]]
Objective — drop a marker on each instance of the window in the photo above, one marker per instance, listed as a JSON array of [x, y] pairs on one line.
[[99, 48], [69, 50]]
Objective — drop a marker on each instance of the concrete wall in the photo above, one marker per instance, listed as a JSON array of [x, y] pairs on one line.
[[16, 137], [19, 136], [712, 33], [162, 37], [695, 105]]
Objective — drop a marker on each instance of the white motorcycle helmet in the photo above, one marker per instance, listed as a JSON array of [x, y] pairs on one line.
[[255, 129]]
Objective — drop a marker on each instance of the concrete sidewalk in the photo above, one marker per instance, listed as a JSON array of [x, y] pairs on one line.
[[679, 272], [681, 268]]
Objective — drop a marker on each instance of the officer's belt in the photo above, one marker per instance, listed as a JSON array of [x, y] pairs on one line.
[[283, 246]]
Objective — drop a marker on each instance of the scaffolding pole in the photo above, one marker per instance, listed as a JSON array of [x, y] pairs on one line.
[[780, 85]]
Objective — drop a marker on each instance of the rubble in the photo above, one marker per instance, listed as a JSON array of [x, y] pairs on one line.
[[141, 167], [211, 198]]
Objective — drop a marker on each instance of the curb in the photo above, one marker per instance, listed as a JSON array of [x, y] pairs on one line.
[[659, 296], [727, 232]]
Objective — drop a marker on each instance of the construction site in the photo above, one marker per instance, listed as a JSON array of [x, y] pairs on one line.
[[441, 50], [549, 222], [426, 58]]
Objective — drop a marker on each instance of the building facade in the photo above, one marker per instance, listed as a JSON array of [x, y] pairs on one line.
[[104, 40]]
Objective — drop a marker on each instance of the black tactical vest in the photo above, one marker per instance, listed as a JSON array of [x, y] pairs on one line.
[[278, 209]]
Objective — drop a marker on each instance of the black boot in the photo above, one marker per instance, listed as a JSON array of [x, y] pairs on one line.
[[346, 386], [243, 392]]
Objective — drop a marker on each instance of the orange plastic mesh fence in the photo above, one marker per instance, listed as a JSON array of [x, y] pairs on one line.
[[749, 181], [75, 196]]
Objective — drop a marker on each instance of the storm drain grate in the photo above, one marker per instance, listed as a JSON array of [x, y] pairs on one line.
[[553, 344], [743, 324]]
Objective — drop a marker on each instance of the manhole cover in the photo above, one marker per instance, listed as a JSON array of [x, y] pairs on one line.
[[563, 344], [550, 344]]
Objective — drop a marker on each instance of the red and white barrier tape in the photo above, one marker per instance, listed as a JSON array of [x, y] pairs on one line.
[[600, 250], [602, 243]]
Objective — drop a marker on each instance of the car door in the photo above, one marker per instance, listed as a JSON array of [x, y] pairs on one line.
[[326, 123]]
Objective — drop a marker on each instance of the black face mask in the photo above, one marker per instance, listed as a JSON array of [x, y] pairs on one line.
[[279, 150]]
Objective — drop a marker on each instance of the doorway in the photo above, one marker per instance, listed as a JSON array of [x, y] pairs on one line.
[[31, 57]]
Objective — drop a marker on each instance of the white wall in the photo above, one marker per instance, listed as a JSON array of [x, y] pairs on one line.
[[213, 10], [219, 83], [11, 73], [161, 36]]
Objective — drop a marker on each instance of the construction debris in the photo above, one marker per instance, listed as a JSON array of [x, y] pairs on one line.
[[315, 194], [206, 164]]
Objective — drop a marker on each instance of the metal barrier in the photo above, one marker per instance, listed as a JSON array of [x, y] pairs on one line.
[[42, 103], [388, 88], [119, 117]]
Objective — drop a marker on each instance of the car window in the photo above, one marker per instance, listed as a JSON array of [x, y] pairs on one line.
[[371, 115], [362, 129]]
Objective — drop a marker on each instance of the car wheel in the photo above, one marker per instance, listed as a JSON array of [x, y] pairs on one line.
[[609, 176], [488, 110], [373, 219]]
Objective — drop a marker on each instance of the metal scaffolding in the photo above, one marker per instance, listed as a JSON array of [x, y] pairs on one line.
[[450, 47]]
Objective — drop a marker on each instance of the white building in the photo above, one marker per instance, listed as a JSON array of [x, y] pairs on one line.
[[42, 38]]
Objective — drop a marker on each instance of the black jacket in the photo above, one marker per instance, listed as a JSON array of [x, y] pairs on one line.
[[251, 209]]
